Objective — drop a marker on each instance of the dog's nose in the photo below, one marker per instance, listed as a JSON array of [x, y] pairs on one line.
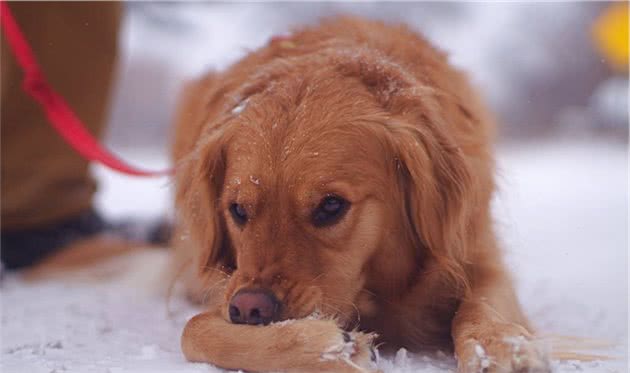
[[254, 307]]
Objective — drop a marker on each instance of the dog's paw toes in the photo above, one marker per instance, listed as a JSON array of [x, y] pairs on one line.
[[473, 359], [527, 356], [508, 349], [354, 351], [365, 351]]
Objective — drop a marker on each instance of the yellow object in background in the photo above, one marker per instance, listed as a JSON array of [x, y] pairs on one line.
[[610, 33]]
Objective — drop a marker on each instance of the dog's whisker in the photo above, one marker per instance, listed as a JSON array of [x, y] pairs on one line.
[[318, 276], [345, 314], [210, 289], [221, 272], [337, 311]]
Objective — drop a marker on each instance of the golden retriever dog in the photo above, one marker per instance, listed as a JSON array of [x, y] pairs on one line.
[[332, 192]]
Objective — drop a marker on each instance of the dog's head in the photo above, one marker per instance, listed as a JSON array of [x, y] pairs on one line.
[[328, 185]]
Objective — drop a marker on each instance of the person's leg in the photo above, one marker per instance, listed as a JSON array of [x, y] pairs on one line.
[[46, 190]]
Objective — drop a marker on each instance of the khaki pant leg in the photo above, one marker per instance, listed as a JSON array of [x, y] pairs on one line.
[[42, 179]]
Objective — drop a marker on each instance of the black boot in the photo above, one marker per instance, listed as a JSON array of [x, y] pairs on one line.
[[26, 247]]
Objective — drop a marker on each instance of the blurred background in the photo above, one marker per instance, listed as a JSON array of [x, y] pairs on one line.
[[545, 68]]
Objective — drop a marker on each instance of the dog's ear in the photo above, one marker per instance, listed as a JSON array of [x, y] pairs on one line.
[[432, 170], [199, 183], [437, 185]]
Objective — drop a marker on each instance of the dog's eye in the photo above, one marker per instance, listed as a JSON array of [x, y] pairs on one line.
[[239, 214], [330, 210]]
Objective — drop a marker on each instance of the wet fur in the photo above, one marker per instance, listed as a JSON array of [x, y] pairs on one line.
[[375, 113]]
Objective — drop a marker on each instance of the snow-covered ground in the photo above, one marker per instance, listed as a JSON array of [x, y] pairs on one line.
[[561, 213]]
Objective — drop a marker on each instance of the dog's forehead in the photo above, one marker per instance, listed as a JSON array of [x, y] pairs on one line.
[[304, 164], [305, 131], [301, 116]]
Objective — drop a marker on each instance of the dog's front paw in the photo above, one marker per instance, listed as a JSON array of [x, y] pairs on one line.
[[504, 348], [305, 345]]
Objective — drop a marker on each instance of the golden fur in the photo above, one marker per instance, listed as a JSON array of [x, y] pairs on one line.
[[373, 113]]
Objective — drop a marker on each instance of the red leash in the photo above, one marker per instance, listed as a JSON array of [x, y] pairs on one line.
[[59, 114]]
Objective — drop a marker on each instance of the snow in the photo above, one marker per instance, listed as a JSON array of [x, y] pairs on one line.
[[481, 354], [254, 180], [240, 107], [561, 213]]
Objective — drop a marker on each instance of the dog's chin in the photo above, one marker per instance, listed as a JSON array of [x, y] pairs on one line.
[[314, 302], [345, 315]]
